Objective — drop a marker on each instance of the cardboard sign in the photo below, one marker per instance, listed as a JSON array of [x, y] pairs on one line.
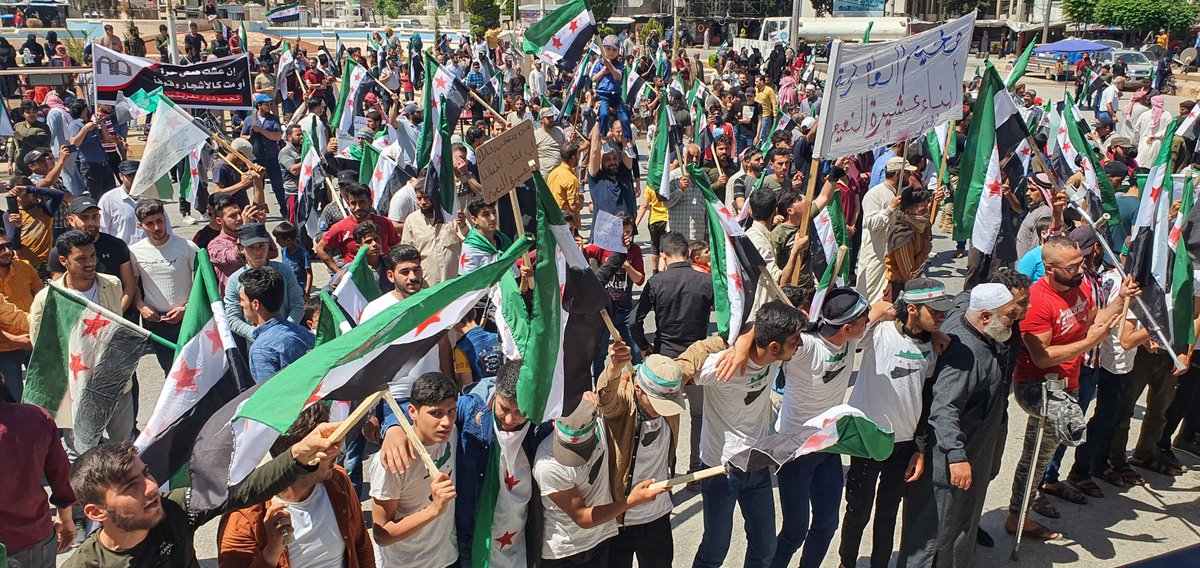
[[504, 160], [608, 232]]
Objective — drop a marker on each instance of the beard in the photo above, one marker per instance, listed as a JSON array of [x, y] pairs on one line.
[[133, 522], [997, 330], [1074, 281]]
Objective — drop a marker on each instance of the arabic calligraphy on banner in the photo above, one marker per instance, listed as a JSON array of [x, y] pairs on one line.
[[504, 160], [881, 93], [223, 83]]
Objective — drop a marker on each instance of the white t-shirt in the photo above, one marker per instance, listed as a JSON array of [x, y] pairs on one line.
[[1114, 358], [316, 539], [165, 271], [117, 215], [433, 545], [401, 385], [816, 379], [403, 202], [891, 377], [654, 444], [737, 413], [1111, 96], [561, 537]]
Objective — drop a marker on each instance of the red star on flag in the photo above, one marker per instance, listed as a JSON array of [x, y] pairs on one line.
[[214, 337], [76, 365], [573, 26], [195, 172], [462, 261], [509, 480], [1062, 131], [994, 188], [93, 326], [440, 82], [378, 175], [506, 539], [1025, 151], [1066, 146], [736, 278], [315, 396], [557, 43], [185, 377], [308, 170], [432, 320]]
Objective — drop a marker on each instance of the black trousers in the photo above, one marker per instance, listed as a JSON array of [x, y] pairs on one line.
[[1182, 410], [168, 331], [651, 542], [594, 558], [1091, 457], [877, 485]]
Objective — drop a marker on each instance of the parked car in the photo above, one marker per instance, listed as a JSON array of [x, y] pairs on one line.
[[1137, 66], [1046, 66]]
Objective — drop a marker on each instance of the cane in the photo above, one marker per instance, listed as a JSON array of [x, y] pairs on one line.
[[1037, 447]]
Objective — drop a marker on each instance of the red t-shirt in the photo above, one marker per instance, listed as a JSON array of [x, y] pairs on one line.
[[316, 77], [340, 237], [1066, 316], [620, 285]]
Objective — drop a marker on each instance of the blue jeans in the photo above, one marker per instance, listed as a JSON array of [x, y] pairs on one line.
[[814, 480], [1089, 377], [10, 367], [275, 174], [743, 136], [620, 319], [752, 493], [42, 555], [612, 101], [764, 128]]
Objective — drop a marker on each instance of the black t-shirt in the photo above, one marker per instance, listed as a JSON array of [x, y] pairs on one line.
[[205, 235], [224, 175], [111, 253]]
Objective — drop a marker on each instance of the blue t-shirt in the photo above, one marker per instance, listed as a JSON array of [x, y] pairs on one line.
[[299, 263], [90, 149], [265, 149], [608, 84], [482, 350], [1031, 264]]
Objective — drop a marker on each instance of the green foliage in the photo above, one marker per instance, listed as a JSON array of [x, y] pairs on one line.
[[1146, 15], [653, 26], [394, 8], [964, 6], [485, 14], [602, 10], [1080, 11], [822, 7], [603, 31]]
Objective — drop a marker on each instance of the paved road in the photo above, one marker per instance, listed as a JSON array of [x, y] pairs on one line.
[[1125, 526]]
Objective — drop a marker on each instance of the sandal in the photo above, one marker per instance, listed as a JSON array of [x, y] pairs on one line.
[[1129, 476], [1042, 506], [1156, 466], [1038, 532], [1065, 492], [1087, 487], [1112, 477]]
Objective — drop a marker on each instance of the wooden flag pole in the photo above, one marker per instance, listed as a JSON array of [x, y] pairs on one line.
[[808, 199], [773, 286], [402, 418], [231, 164], [612, 330], [694, 476], [344, 427], [489, 108], [941, 172]]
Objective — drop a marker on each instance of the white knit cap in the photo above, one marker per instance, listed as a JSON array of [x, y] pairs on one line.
[[990, 296]]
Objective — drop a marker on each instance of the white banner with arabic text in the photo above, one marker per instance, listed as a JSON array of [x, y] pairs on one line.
[[880, 93]]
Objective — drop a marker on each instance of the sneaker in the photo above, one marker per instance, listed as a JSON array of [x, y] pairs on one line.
[[189, 220], [631, 152], [1189, 447]]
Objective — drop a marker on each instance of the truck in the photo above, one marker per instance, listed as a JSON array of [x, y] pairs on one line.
[[822, 30]]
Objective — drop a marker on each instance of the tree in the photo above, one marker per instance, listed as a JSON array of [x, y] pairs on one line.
[[602, 10], [822, 7], [1147, 15], [1080, 11], [485, 15]]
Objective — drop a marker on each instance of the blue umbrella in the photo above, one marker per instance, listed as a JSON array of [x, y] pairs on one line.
[[1071, 45]]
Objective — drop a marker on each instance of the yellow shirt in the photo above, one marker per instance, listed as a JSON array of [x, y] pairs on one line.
[[658, 209], [564, 185], [21, 284], [766, 98]]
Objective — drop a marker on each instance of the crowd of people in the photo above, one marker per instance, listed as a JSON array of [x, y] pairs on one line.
[[1043, 318]]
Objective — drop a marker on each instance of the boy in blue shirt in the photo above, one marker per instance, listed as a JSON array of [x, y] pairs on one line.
[[294, 255], [607, 75]]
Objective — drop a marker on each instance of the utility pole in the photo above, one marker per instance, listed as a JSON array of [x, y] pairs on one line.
[[1046, 22], [174, 47], [794, 26]]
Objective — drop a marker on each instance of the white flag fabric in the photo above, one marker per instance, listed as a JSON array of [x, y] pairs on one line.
[[172, 137]]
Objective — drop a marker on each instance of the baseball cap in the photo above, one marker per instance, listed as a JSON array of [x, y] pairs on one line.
[[36, 154], [807, 123], [1084, 236], [252, 234], [610, 41], [928, 292], [82, 204], [1116, 168], [895, 164], [128, 167], [662, 381], [410, 108], [261, 98], [544, 112], [243, 146], [1120, 142], [576, 436], [1104, 121], [347, 176], [365, 132]]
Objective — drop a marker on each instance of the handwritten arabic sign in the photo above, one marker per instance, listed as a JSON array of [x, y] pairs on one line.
[[504, 160], [223, 83], [882, 93]]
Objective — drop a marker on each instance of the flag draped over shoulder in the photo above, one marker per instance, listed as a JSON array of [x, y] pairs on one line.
[[357, 287], [735, 262], [564, 311], [208, 372], [83, 357], [172, 137], [842, 429], [563, 35], [350, 367], [995, 132]]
